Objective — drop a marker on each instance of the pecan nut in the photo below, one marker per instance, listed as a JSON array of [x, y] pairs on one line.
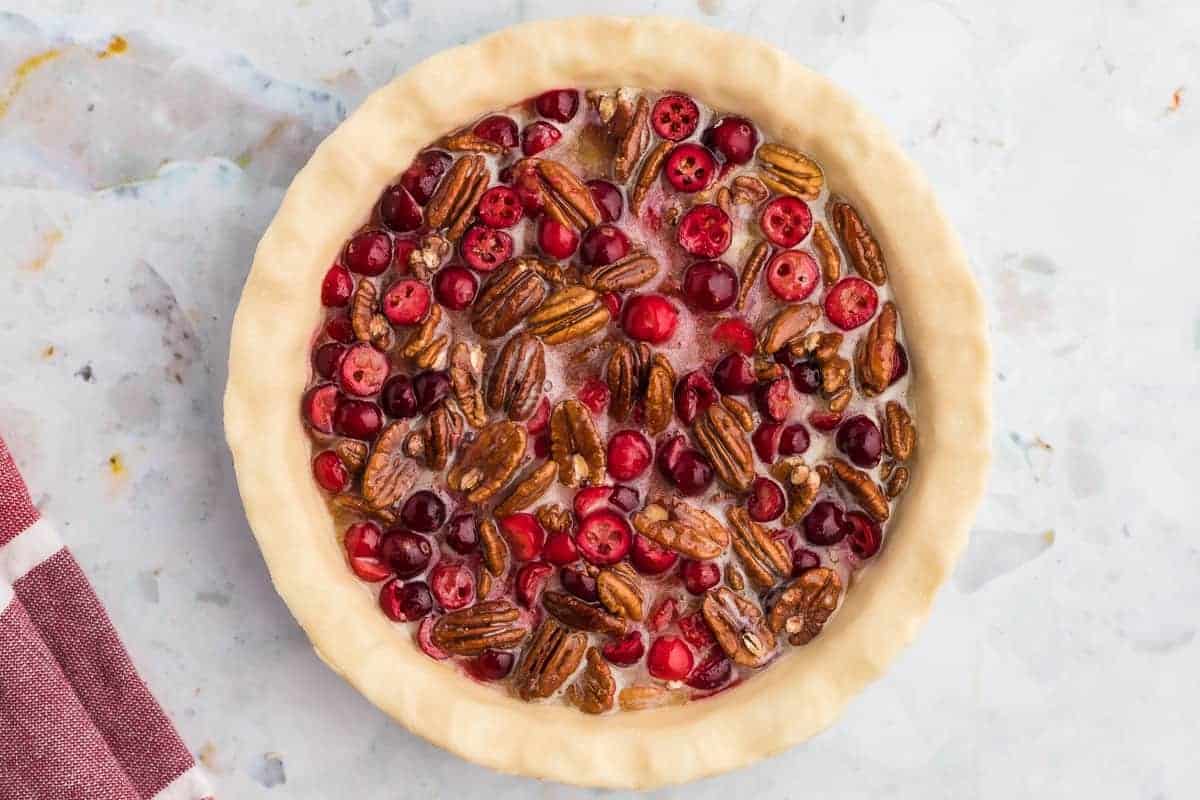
[[788, 171], [651, 167], [549, 659], [573, 432], [750, 270], [788, 325], [630, 272], [801, 485], [593, 691], [737, 624], [366, 321], [642, 696], [562, 195], [428, 257], [625, 375], [493, 547], [464, 380], [860, 485], [632, 140], [724, 442], [806, 604], [765, 558], [350, 503], [455, 199], [515, 385], [682, 527], [353, 454], [466, 141], [572, 611], [621, 591], [389, 473], [827, 254], [511, 294], [899, 435], [529, 490], [897, 482], [749, 190], [864, 251], [571, 313], [490, 461], [490, 625], [660, 395], [443, 429], [877, 354], [740, 411], [423, 344]]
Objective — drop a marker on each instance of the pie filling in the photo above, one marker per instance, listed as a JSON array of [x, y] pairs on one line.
[[610, 399]]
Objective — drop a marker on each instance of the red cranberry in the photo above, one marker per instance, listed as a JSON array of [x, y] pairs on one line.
[[369, 253], [392, 599], [398, 399], [398, 210], [330, 472], [649, 318], [794, 440], [651, 558], [402, 249], [555, 239], [693, 395], [538, 136], [499, 207], [560, 549], [734, 138], [699, 576], [430, 388], [358, 419], [675, 117], [669, 659], [461, 534], [319, 404], [766, 500], [541, 417], [901, 367], [734, 374], [710, 285], [541, 446], [423, 511], [786, 221], [860, 440], [524, 534], [775, 399], [803, 560], [711, 673], [766, 441], [825, 524], [695, 631], [498, 129], [690, 167], [576, 581], [604, 538], [806, 377], [337, 287], [327, 357], [362, 549], [792, 275], [591, 499], [559, 105], [625, 651], [865, 535], [530, 580], [608, 200], [612, 301], [485, 248], [406, 302], [363, 370], [850, 303], [407, 553], [339, 329], [624, 497], [825, 420], [425, 640], [594, 394], [705, 231], [662, 615], [491, 665], [422, 176], [602, 245], [628, 455], [667, 451], [735, 334], [455, 287], [692, 473]]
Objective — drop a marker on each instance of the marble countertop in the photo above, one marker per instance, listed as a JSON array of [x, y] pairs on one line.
[[145, 145]]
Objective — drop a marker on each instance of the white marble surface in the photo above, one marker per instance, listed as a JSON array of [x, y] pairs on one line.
[[1062, 657]]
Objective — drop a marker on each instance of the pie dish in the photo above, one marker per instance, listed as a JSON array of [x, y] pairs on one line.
[[610, 400]]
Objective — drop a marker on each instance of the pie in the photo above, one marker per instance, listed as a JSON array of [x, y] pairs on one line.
[[629, 385]]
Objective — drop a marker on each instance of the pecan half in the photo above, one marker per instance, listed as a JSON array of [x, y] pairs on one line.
[[573, 432], [642, 696], [424, 342], [625, 375], [513, 291], [822, 347], [621, 591], [683, 528], [877, 354], [804, 606], [801, 485], [489, 462], [516, 380], [428, 257], [389, 473], [632, 141], [571, 313], [349, 503], [366, 321], [457, 195], [863, 489], [651, 166], [733, 578], [660, 395], [563, 196], [740, 412], [750, 270], [554, 518], [464, 379], [897, 482], [864, 251], [353, 454], [593, 691], [437, 441], [493, 547], [786, 326], [492, 624], [765, 558], [467, 142], [529, 490], [899, 435], [630, 272], [548, 660], [788, 171], [827, 254], [738, 626], [724, 442], [570, 610], [749, 190]]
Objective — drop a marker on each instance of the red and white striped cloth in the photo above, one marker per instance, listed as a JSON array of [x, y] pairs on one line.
[[76, 721]]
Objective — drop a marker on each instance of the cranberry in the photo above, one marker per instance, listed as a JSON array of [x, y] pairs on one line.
[[363, 370], [555, 239], [792, 275], [711, 673], [602, 245], [651, 558], [766, 500], [625, 651], [576, 581], [604, 538], [695, 631], [591, 499], [628, 455], [766, 441], [530, 580], [608, 200], [690, 167], [649, 318], [669, 659], [526, 181], [734, 374], [422, 176], [402, 249], [624, 497], [559, 105], [541, 446], [485, 248], [710, 285], [392, 599], [865, 536], [825, 524], [337, 287], [327, 357], [340, 329], [358, 419], [736, 334], [850, 303], [461, 534], [699, 576], [806, 377], [368, 253], [398, 210], [692, 473], [524, 534], [825, 420], [803, 560], [786, 221], [330, 472], [398, 399], [560, 549], [667, 451], [538, 136], [319, 404], [662, 615], [693, 395], [594, 394], [455, 287], [794, 440], [406, 302], [774, 399], [491, 665], [541, 417], [407, 553], [425, 640], [675, 117], [362, 549], [901, 367], [430, 388], [497, 129], [423, 511], [734, 138], [860, 440], [705, 231], [499, 207]]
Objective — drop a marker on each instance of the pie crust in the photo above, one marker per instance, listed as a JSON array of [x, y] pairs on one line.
[[268, 369]]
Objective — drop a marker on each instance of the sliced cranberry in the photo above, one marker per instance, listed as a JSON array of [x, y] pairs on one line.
[[825, 420], [559, 105], [524, 534], [412, 601], [766, 500], [825, 524], [860, 440], [669, 659], [692, 473], [710, 285], [628, 455], [794, 440], [711, 673], [803, 560], [792, 275], [363, 370], [499, 207], [850, 303], [594, 394], [735, 334], [398, 210], [699, 576], [423, 511], [327, 357], [693, 395], [591, 499], [766, 441], [734, 374], [806, 377], [397, 397], [337, 287], [539, 136], [612, 301], [319, 404], [368, 253], [402, 248], [358, 419], [651, 558], [422, 176], [407, 553], [340, 329], [406, 302], [604, 538], [531, 579], [455, 287], [865, 536], [695, 631], [498, 129], [774, 399], [625, 651], [362, 549], [389, 600], [690, 167], [425, 640], [430, 388], [461, 534], [485, 248], [541, 417], [608, 199], [649, 318], [560, 549], [667, 451], [734, 138], [491, 665], [624, 497], [330, 472], [675, 117], [901, 367], [578, 582], [555, 239], [786, 221], [662, 615], [602, 245]]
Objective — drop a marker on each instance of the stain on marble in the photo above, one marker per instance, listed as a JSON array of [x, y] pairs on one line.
[[1163, 645], [115, 47], [50, 241], [993, 553], [116, 466], [153, 297], [1176, 99], [48, 352], [219, 599], [22, 74], [86, 373], [267, 770], [207, 756]]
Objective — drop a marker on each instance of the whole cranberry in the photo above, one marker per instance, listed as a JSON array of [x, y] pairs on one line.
[[651, 558], [669, 659], [555, 239], [628, 455], [327, 357], [559, 105], [825, 524], [538, 136], [461, 534], [578, 582], [423, 511], [649, 318], [398, 210], [422, 176], [692, 473], [774, 399], [407, 553], [358, 419], [337, 287], [602, 245], [766, 441], [766, 500], [405, 602], [710, 285], [734, 138], [497, 129], [825, 420], [362, 550], [608, 200], [711, 673], [793, 440], [625, 651], [530, 580], [454, 287], [693, 395], [431, 388], [699, 576], [690, 167], [330, 472], [485, 248], [397, 397], [453, 585], [667, 451], [803, 560], [806, 377], [362, 370], [524, 534], [604, 538], [560, 549], [491, 665], [340, 329], [319, 404], [594, 394], [866, 535], [860, 440], [368, 253], [901, 367], [734, 374]]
